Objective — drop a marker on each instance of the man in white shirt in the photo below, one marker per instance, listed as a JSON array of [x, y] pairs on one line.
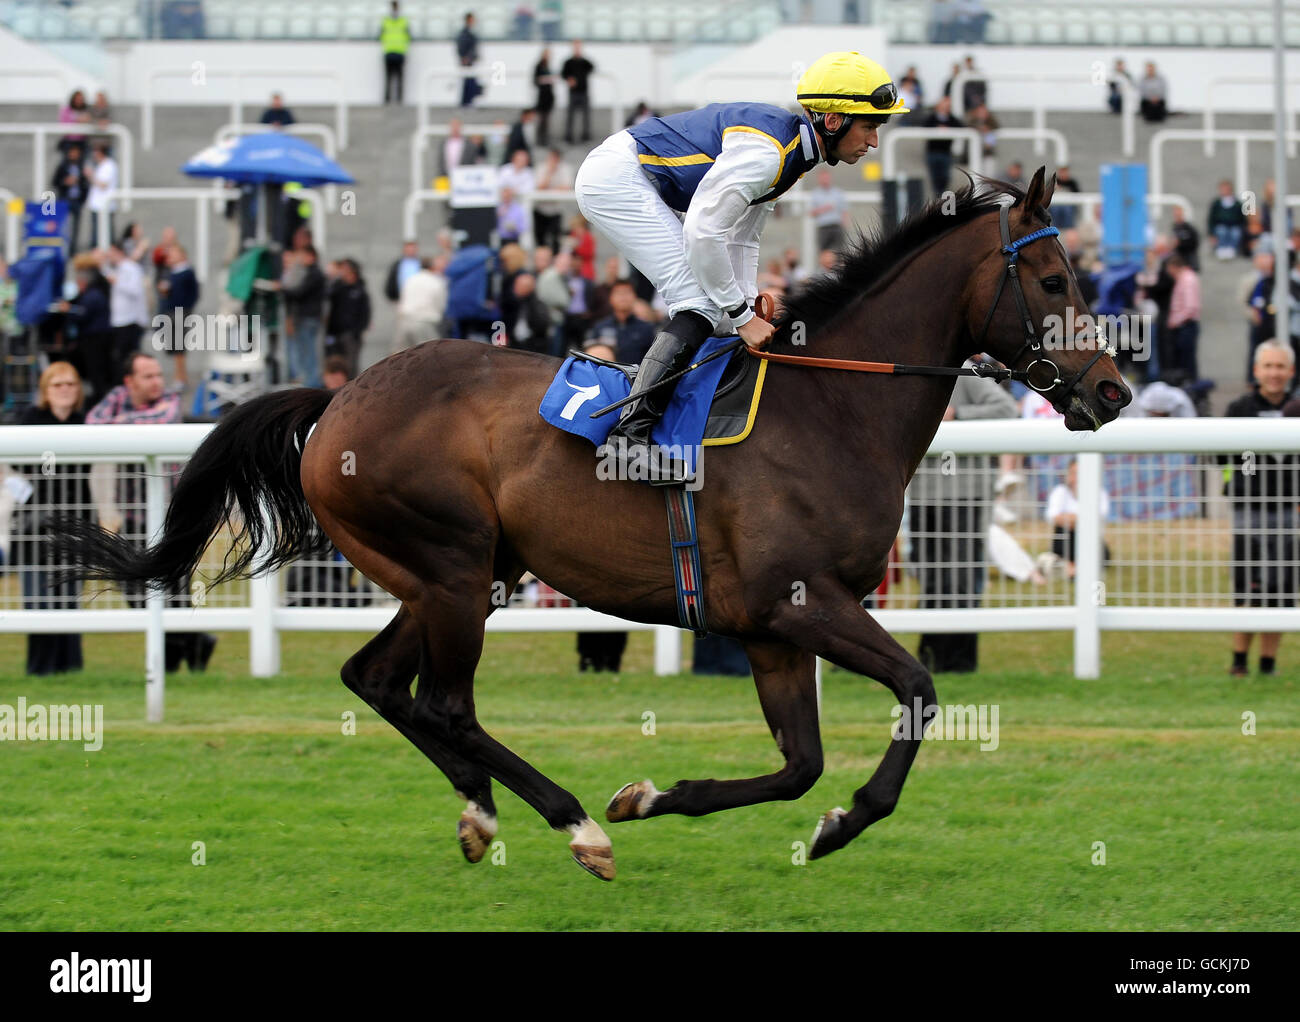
[[103, 180], [422, 306], [517, 175], [128, 303], [720, 167]]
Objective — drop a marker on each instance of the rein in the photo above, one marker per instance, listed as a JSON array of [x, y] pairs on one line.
[[1040, 379]]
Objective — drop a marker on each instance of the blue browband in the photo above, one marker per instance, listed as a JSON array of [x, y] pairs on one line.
[[1013, 250]]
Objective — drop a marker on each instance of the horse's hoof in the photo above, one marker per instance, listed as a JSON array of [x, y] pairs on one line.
[[591, 849], [830, 834], [632, 802], [475, 832]]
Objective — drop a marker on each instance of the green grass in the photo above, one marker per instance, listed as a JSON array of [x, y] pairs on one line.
[[306, 828]]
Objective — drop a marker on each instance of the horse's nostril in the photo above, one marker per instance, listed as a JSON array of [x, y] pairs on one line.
[[1113, 393]]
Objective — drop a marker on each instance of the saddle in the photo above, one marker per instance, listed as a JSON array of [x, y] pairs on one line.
[[735, 401]]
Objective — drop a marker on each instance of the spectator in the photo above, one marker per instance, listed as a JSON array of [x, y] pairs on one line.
[[517, 175], [128, 303], [423, 306], [549, 17], [938, 151], [523, 133], [577, 313], [972, 21], [72, 186], [1062, 513], [1226, 222], [60, 487], [142, 399], [495, 146], [544, 82], [335, 373], [974, 91], [467, 56], [529, 324], [1154, 92], [909, 90], [1156, 285], [983, 121], [277, 114], [181, 290], [947, 527], [88, 324], [512, 218], [459, 151], [134, 243], [1015, 174], [555, 175], [576, 72], [1251, 234], [583, 246], [524, 18], [1264, 493], [159, 259], [1187, 239], [1184, 316], [395, 39], [75, 112], [1260, 310], [1115, 87], [1064, 215], [303, 286], [828, 261], [600, 307], [629, 335], [403, 268], [103, 182], [943, 21], [101, 114], [791, 270], [829, 211], [349, 313], [553, 290]]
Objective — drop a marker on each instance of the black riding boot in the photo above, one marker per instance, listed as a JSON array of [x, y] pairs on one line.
[[673, 348]]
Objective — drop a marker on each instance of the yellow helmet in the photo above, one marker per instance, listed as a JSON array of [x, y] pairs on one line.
[[849, 83]]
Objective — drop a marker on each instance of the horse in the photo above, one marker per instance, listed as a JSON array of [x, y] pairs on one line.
[[434, 475]]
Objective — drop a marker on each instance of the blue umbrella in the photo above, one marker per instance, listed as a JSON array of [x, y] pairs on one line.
[[270, 157]]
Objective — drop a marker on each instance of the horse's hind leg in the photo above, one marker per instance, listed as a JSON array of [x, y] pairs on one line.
[[451, 614], [381, 674], [786, 680], [845, 634]]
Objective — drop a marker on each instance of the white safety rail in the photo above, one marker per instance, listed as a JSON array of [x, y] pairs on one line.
[[1213, 95], [1241, 136], [889, 146], [416, 199], [801, 199], [123, 152], [13, 223], [1090, 200], [203, 199], [1041, 96], [1188, 603], [239, 76], [610, 92], [67, 81], [328, 143]]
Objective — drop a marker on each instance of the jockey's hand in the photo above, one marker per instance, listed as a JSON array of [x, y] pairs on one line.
[[757, 332]]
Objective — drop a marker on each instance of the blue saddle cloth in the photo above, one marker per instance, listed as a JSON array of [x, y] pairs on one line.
[[582, 387]]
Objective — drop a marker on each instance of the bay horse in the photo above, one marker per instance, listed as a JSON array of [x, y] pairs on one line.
[[435, 476]]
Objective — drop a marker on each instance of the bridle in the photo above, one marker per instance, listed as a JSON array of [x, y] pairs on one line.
[[1040, 379]]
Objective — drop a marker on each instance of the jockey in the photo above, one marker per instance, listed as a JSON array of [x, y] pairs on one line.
[[685, 199]]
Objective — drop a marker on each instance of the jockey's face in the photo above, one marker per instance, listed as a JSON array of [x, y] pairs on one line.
[[859, 140]]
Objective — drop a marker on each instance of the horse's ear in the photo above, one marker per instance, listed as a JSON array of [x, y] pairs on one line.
[[1033, 195], [1049, 191]]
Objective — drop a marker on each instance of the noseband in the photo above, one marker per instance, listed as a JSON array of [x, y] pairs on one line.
[[1042, 374]]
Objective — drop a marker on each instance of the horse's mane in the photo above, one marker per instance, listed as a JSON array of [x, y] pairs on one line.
[[869, 258]]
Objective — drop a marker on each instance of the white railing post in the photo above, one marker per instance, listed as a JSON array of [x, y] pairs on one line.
[[668, 650], [1089, 590], [263, 636], [155, 599]]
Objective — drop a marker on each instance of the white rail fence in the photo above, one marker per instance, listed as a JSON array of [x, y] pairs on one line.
[[1165, 588]]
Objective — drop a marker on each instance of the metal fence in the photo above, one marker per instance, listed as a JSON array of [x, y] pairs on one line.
[[1180, 524]]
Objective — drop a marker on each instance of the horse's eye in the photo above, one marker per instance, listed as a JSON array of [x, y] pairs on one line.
[[1054, 285]]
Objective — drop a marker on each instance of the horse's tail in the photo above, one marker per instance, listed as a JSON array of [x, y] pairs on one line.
[[245, 474]]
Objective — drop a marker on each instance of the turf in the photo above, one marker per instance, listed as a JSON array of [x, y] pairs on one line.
[[305, 827]]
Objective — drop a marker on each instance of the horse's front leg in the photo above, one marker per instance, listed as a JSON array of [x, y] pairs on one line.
[[832, 624], [786, 680]]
